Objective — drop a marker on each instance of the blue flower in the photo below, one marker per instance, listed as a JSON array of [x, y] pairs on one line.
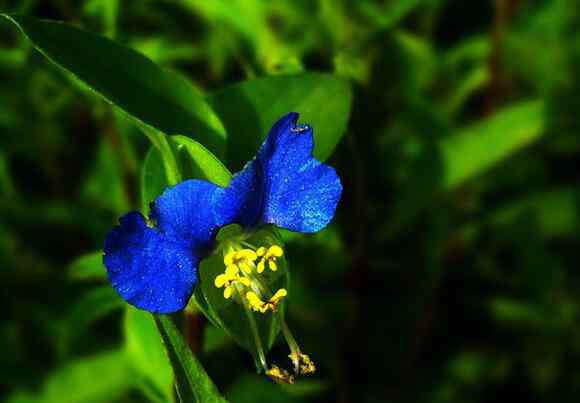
[[153, 263]]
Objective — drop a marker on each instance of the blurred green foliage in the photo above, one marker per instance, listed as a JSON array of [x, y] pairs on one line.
[[449, 273]]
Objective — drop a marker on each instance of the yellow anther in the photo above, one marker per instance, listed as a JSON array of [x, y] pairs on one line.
[[275, 251], [232, 272], [272, 304], [281, 293], [261, 251], [229, 258], [246, 267], [244, 259], [246, 254], [280, 375], [221, 280], [260, 267], [269, 256], [255, 302], [230, 276]]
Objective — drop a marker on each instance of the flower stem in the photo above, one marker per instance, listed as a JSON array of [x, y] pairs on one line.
[[294, 348]]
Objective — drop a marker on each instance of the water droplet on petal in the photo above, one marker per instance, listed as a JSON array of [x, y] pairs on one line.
[[300, 128]]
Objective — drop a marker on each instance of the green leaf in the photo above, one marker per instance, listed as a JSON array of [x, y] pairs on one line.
[[444, 165], [249, 109], [196, 161], [147, 353], [88, 267], [106, 178], [510, 311], [127, 79], [214, 338], [192, 382], [556, 212], [390, 15], [94, 305], [101, 378], [249, 388], [476, 148]]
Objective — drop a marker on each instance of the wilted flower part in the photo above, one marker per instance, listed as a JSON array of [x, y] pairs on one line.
[[280, 375], [303, 365], [154, 267]]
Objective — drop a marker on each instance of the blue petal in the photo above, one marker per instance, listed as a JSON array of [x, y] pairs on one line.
[[192, 211], [156, 268], [148, 268], [285, 185]]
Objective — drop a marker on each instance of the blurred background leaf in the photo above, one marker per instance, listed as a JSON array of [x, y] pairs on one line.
[[449, 273]]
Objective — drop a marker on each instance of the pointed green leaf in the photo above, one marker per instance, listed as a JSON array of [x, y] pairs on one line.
[[192, 382], [476, 148], [101, 378], [196, 161], [92, 306], [127, 79]]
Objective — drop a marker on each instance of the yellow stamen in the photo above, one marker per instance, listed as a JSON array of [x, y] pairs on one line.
[[231, 275], [255, 302], [275, 251], [272, 304], [269, 256], [281, 293], [245, 267], [221, 280], [229, 258], [232, 271], [246, 254], [272, 265]]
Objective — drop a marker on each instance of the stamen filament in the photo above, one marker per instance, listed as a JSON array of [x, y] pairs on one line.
[[255, 333]]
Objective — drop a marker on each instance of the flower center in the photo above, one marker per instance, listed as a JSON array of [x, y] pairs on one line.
[[243, 269], [245, 280]]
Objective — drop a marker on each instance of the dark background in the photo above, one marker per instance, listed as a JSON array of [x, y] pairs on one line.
[[420, 290]]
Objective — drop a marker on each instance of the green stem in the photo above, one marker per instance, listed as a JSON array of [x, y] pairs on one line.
[[294, 348], [254, 330]]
